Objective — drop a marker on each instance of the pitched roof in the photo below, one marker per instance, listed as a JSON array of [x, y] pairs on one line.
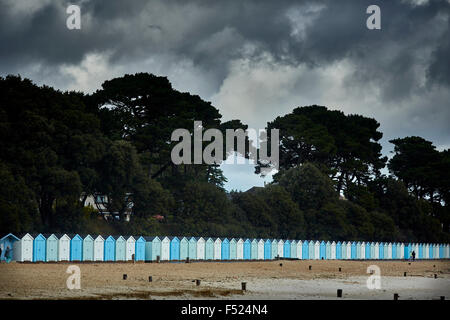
[[34, 235], [151, 238], [9, 235]]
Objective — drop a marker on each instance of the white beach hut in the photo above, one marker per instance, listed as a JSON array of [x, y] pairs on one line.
[[299, 249], [88, 248], [349, 250], [402, 251], [254, 250], [317, 250], [416, 249], [372, 250], [218, 249], [23, 248], [240, 249], [261, 249], [165, 249], [293, 249], [333, 251], [343, 250], [99, 248], [200, 249], [280, 248], [64, 247], [377, 251], [130, 248], [389, 252]]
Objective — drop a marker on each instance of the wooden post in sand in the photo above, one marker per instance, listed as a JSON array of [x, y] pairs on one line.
[[197, 282], [435, 276], [309, 267], [404, 274], [150, 279], [340, 269], [124, 276], [339, 293], [244, 286], [395, 296]]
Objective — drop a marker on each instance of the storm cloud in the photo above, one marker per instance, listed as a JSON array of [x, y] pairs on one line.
[[253, 59]]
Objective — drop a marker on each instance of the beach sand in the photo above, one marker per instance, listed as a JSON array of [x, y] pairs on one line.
[[222, 280]]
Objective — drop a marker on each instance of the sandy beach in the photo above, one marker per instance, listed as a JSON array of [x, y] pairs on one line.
[[222, 280]]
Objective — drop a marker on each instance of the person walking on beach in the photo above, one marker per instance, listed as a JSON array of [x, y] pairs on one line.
[[413, 254], [8, 255]]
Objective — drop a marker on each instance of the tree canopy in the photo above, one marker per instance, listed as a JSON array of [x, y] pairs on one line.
[[59, 149]]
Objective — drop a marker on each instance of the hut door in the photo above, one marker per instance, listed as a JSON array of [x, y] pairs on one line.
[[27, 249]]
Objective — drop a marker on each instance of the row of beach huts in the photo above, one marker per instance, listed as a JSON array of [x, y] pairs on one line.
[[75, 247]]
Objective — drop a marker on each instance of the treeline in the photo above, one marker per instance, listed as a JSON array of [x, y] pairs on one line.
[[59, 148]]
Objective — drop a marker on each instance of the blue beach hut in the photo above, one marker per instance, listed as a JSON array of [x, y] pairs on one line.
[[152, 248], [406, 251], [38, 247], [225, 249], [267, 249], [7, 242], [287, 249], [323, 251], [174, 248], [110, 248], [339, 250], [139, 250], [247, 249], [441, 251], [368, 251], [305, 250], [76, 247], [381, 251]]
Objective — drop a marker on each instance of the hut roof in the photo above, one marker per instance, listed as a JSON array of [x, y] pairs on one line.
[[9, 235]]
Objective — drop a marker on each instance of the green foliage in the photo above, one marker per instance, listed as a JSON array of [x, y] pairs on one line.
[[59, 148], [308, 186]]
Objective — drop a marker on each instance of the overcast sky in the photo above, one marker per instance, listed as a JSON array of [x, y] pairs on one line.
[[254, 60]]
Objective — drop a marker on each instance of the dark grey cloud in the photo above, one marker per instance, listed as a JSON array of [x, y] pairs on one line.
[[254, 59]]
